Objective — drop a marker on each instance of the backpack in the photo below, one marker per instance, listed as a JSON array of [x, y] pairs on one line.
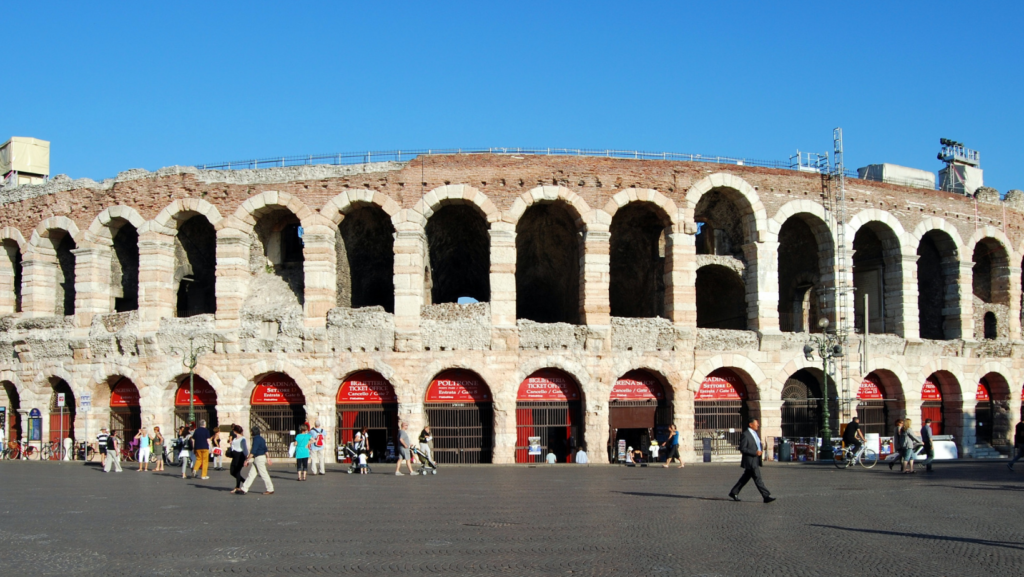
[[319, 440]]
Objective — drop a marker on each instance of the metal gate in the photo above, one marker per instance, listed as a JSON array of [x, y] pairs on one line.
[[874, 417], [125, 423], [208, 414], [463, 432], [62, 424], [721, 421], [983, 422], [556, 423], [380, 420], [276, 423], [801, 418], [932, 410]]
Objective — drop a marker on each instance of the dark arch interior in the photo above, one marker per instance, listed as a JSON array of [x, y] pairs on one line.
[[802, 405], [799, 278], [62, 423], [13, 253], [637, 262], [720, 225], [548, 265], [875, 265], [990, 283], [124, 269], [366, 259], [937, 274], [65, 293], [721, 299], [277, 249], [460, 258], [195, 267]]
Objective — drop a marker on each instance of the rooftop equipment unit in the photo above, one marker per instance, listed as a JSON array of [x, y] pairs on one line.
[[962, 174], [24, 161]]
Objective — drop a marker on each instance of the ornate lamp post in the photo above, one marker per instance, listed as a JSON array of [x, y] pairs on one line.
[[828, 348], [190, 359]]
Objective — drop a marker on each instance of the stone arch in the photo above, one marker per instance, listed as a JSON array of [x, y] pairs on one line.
[[586, 219], [364, 225], [807, 271], [754, 210], [549, 248], [758, 387], [417, 394], [939, 250], [877, 250], [11, 267], [575, 370], [52, 243], [453, 194], [104, 226], [250, 211], [665, 205], [11, 392], [956, 377], [994, 418], [54, 223], [343, 368], [894, 379], [336, 208], [251, 373], [456, 220], [878, 415], [179, 211], [117, 230], [167, 381], [992, 258], [676, 383], [41, 387], [935, 223], [638, 251]]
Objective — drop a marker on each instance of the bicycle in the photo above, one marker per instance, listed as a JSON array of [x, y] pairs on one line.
[[846, 458], [14, 451], [52, 451]]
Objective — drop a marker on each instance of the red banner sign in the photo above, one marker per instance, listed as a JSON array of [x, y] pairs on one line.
[[548, 385], [930, 391], [870, 389], [204, 395], [278, 389], [125, 394], [982, 394], [366, 387], [721, 385], [458, 386], [637, 386]]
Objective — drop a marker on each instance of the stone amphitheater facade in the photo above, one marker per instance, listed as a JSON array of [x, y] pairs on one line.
[[595, 267]]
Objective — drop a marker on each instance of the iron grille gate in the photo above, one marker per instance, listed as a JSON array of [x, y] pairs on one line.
[[874, 417], [275, 423], [721, 421], [202, 414], [62, 423], [125, 423], [801, 418], [557, 424], [381, 422], [463, 432]]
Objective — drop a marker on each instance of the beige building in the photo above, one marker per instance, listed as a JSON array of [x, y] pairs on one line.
[[603, 300]]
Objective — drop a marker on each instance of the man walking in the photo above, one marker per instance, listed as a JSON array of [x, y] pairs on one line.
[[929, 448], [101, 446], [751, 449], [317, 449], [260, 460], [1018, 445], [113, 454], [404, 450], [897, 446], [201, 450]]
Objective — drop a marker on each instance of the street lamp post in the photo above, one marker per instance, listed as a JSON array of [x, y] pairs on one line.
[[828, 348], [190, 359]]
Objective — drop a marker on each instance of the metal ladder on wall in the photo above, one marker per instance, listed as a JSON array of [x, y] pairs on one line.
[[833, 186]]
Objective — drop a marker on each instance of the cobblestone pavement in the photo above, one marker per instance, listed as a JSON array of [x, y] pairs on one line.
[[70, 519]]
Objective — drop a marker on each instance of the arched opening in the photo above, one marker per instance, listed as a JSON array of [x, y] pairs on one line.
[[802, 408], [879, 403], [938, 300], [805, 258], [991, 289], [720, 218], [124, 267], [62, 415], [125, 411], [637, 261], [10, 277], [276, 258], [459, 255], [548, 265], [992, 412], [639, 413], [367, 400], [549, 417], [10, 407], [877, 273], [721, 298], [203, 405], [278, 408], [720, 411], [461, 417], [195, 267], [942, 402], [64, 293], [365, 246]]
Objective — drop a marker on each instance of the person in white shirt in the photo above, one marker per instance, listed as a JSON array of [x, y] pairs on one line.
[[317, 449], [581, 457], [551, 458]]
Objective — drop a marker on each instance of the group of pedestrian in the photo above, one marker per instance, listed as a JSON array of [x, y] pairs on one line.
[[906, 444]]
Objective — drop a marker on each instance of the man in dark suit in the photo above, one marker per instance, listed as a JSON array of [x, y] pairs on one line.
[[750, 448]]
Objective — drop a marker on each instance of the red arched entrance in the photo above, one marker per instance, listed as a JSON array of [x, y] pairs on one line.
[[871, 406], [639, 412], [204, 403], [983, 412], [278, 409], [720, 412], [461, 416], [367, 400], [125, 412], [931, 405], [548, 417], [62, 416]]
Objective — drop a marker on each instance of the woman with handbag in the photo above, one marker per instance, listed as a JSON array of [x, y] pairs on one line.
[[910, 444], [238, 452], [158, 449]]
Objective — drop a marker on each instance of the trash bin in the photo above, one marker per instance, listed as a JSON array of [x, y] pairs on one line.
[[785, 450], [707, 449]]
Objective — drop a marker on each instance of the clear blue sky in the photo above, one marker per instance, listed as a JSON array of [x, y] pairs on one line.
[[147, 85]]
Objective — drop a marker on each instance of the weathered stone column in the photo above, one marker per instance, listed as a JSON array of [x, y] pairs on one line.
[[1015, 296], [504, 335], [92, 282], [233, 276], [595, 305], [39, 283], [964, 285], [504, 431], [410, 248], [597, 429], [681, 279], [7, 287], [321, 290], [683, 418], [910, 321], [762, 286], [157, 294]]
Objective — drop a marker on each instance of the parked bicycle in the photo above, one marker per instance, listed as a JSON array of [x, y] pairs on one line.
[[52, 451], [847, 458], [14, 450]]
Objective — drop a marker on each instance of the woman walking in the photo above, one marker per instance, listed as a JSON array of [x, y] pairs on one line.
[[184, 450], [142, 438], [672, 444], [909, 442], [239, 452], [302, 443], [158, 449]]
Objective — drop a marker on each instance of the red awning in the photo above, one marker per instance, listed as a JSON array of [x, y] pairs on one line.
[[722, 385], [366, 387], [549, 385], [125, 394], [637, 386], [278, 389], [458, 386]]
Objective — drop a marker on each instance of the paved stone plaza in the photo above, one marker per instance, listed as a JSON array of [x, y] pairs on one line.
[[69, 519]]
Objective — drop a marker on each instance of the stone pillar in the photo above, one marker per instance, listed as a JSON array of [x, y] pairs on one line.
[[770, 416], [233, 276], [682, 416], [39, 283], [595, 306], [681, 279], [410, 248], [157, 294], [7, 300], [909, 325], [321, 292], [504, 335], [92, 282], [595, 417], [504, 431], [965, 285], [762, 286], [1015, 296]]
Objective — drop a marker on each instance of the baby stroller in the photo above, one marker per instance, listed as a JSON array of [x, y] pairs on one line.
[[427, 465], [351, 452]]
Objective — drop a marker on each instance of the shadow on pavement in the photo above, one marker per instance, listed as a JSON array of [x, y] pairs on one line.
[[637, 494], [989, 542]]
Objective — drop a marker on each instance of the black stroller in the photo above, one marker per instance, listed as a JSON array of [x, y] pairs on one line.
[[427, 465], [351, 452]]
